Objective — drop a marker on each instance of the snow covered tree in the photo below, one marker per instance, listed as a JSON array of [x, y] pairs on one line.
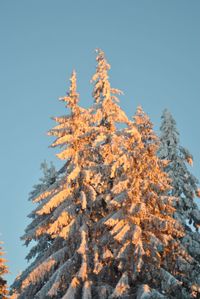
[[185, 185], [61, 214], [185, 267], [3, 271]]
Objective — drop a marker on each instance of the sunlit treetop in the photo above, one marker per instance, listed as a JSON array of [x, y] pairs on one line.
[[105, 110], [72, 97]]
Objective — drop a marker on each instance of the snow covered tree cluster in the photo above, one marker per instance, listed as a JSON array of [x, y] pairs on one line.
[[119, 219]]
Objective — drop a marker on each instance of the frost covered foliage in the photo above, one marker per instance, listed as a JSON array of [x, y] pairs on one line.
[[3, 271], [185, 185], [104, 225]]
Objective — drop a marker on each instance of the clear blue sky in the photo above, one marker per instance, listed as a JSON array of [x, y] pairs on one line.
[[153, 47]]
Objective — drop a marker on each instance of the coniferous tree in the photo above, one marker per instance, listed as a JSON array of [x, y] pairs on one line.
[[62, 211], [185, 261], [3, 271], [185, 184]]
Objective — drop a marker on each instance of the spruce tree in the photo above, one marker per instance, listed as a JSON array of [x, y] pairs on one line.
[[184, 183], [189, 266], [3, 271], [62, 210]]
